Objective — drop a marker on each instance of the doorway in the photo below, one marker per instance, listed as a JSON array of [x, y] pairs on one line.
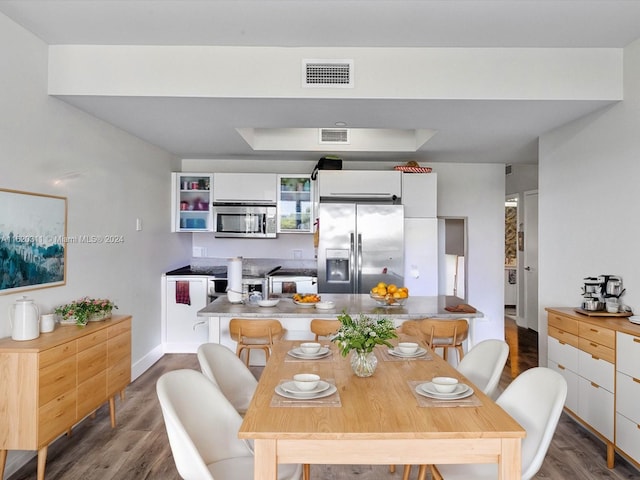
[[511, 256], [452, 259]]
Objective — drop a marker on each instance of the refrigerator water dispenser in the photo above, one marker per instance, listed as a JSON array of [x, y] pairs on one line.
[[337, 266]]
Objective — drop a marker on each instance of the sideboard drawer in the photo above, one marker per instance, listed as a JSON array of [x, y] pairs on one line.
[[628, 350], [563, 336], [92, 361], [597, 350], [603, 336], [89, 341], [56, 417], [56, 380], [56, 354], [563, 323]]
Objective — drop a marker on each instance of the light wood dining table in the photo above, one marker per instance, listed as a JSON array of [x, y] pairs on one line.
[[377, 420]]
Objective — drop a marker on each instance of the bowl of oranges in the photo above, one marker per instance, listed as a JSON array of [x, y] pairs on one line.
[[389, 295]]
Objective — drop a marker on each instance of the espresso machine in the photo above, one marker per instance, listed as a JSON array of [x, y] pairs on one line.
[[602, 293]]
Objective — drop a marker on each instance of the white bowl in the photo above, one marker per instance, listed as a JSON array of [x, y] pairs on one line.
[[310, 347], [444, 384], [306, 381], [328, 305], [271, 302], [407, 347]]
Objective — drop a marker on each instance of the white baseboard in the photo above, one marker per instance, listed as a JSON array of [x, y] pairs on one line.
[[146, 362]]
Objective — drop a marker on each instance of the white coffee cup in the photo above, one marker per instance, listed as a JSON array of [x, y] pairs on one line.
[[47, 322]]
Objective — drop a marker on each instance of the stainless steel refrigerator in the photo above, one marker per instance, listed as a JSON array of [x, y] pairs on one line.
[[360, 244]]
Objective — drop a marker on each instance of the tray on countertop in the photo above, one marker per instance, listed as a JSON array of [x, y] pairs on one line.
[[601, 313]]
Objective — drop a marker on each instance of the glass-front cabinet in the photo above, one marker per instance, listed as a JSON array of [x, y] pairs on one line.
[[295, 204], [191, 202]]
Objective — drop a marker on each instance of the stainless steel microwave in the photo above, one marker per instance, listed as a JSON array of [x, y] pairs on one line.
[[250, 221]]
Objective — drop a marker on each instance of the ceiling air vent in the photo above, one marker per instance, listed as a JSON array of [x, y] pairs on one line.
[[507, 170], [334, 136], [327, 73]]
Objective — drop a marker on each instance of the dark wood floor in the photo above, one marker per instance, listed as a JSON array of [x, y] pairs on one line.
[[138, 448]]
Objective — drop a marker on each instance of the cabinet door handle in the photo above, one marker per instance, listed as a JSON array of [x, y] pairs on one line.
[[561, 342], [561, 367], [594, 330], [595, 385], [595, 345], [595, 358], [636, 380], [637, 340]]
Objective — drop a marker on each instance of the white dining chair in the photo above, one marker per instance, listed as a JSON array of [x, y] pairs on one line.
[[535, 400], [202, 427], [484, 363], [221, 365]]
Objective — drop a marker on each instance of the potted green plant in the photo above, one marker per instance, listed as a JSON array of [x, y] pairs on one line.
[[84, 310], [360, 336]]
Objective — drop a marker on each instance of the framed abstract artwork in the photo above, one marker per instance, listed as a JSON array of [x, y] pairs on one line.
[[33, 229]]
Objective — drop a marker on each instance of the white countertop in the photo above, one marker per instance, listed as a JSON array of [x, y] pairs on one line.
[[414, 308]]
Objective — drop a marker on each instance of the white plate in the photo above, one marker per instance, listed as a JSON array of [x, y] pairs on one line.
[[459, 390], [325, 305], [635, 319], [418, 353], [325, 393], [420, 389], [290, 387], [306, 304], [298, 353]]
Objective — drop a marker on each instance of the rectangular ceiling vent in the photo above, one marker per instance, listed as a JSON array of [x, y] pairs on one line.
[[507, 170], [334, 136], [327, 73]]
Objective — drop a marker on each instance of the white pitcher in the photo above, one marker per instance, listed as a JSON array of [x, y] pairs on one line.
[[25, 319]]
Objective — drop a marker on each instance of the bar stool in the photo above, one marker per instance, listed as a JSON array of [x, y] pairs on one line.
[[324, 328], [445, 334], [255, 334]]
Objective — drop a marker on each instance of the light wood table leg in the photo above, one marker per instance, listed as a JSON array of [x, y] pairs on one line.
[[122, 395], [3, 460], [266, 466], [112, 411], [510, 460], [42, 461]]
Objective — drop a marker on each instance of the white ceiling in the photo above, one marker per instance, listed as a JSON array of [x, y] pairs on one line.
[[468, 131]]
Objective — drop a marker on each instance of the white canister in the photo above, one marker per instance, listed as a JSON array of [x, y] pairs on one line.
[[47, 322], [234, 280]]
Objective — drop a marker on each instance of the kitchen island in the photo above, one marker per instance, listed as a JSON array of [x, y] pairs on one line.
[[296, 318]]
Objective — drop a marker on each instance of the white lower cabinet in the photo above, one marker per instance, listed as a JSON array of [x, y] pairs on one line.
[[627, 394], [583, 352], [183, 330], [571, 378], [595, 406]]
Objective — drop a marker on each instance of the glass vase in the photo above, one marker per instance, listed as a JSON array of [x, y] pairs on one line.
[[363, 363]]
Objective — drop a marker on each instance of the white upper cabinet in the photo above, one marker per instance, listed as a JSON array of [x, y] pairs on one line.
[[420, 195], [295, 204], [258, 188], [355, 184], [191, 202]]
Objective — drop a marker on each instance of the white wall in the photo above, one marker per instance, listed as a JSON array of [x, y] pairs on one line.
[[115, 178], [588, 201]]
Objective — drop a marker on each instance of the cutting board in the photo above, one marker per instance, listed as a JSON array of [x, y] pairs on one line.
[[602, 313]]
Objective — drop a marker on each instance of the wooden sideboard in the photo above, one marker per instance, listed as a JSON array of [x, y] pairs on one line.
[[598, 357], [52, 382]]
